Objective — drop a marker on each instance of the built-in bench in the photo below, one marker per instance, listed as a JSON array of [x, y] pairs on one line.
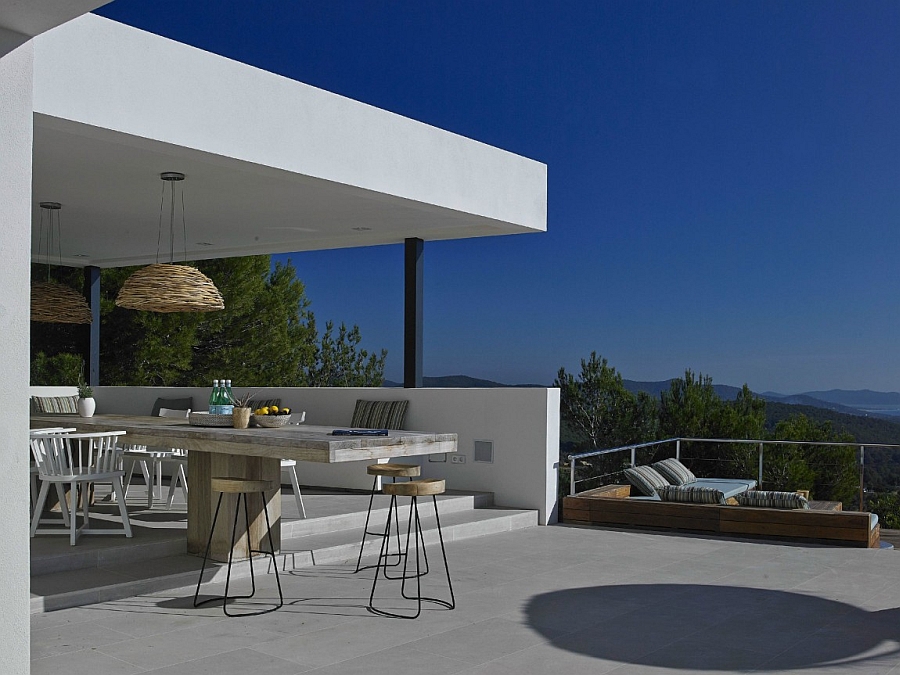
[[610, 505]]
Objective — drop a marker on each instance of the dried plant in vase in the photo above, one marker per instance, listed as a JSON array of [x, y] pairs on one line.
[[240, 415]]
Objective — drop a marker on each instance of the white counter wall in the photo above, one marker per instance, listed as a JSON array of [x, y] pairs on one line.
[[522, 425]]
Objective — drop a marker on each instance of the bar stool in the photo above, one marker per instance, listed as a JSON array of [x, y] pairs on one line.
[[413, 489], [241, 487], [384, 470]]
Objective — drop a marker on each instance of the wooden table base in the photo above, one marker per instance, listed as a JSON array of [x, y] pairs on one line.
[[202, 467]]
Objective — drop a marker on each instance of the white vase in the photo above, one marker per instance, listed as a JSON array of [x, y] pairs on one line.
[[86, 407]]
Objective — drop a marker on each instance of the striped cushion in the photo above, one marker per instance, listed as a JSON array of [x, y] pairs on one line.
[[772, 499], [379, 414], [54, 404], [645, 478], [691, 494], [675, 472]]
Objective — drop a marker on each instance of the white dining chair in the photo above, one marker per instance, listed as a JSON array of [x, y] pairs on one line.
[[290, 466], [60, 490], [151, 465], [79, 460]]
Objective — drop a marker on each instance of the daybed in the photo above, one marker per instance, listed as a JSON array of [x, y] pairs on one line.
[[715, 506]]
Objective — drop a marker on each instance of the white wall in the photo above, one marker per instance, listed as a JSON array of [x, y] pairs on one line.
[[522, 423], [15, 252], [107, 75]]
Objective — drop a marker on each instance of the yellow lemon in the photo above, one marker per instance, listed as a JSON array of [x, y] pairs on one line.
[[273, 409], [262, 411]]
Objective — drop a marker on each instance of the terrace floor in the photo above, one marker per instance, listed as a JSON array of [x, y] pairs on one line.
[[531, 601]]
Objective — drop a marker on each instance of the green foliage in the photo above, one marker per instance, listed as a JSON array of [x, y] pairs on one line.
[[691, 408], [266, 336], [597, 411], [598, 407], [828, 472], [339, 362], [887, 506], [57, 370]]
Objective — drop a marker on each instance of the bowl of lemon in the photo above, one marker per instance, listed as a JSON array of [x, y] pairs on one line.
[[270, 416]]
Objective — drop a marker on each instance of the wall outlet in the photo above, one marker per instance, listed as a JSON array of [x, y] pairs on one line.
[[457, 459]]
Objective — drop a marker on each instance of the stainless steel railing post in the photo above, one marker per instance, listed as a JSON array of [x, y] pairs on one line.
[[862, 470], [678, 449], [572, 477], [759, 482]]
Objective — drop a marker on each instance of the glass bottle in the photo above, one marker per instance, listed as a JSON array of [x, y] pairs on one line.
[[214, 399], [227, 399]]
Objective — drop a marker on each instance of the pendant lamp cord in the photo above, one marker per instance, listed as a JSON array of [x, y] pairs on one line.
[[162, 198], [183, 226], [50, 239]]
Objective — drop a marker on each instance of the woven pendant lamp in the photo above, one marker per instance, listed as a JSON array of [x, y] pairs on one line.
[[167, 287], [52, 302]]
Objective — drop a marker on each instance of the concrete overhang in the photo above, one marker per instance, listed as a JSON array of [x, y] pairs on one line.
[[272, 165]]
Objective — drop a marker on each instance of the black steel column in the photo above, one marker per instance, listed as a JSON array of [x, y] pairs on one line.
[[414, 260], [92, 293]]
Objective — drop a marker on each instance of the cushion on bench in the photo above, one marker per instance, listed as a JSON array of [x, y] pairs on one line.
[[646, 479], [773, 500], [690, 494], [54, 404], [730, 487], [674, 471], [379, 414]]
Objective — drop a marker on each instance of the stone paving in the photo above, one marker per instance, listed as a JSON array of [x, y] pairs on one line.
[[542, 600]]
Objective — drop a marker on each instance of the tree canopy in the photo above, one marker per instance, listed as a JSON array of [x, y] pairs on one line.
[[265, 336]]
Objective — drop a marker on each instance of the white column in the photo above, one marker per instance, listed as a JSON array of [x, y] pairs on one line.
[[16, 115]]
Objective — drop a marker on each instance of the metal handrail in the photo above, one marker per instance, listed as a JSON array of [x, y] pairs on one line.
[[761, 443]]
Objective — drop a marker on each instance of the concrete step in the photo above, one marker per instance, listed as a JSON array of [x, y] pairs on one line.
[[52, 554], [127, 578]]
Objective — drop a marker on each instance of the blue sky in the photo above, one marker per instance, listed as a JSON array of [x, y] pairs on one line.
[[723, 178]]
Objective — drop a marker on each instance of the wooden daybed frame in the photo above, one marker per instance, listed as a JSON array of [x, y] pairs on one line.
[[609, 505]]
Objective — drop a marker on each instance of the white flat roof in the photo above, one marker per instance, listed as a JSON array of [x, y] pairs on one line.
[[272, 165]]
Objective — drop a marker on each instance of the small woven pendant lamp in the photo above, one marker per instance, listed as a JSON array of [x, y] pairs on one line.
[[167, 287], [52, 302]]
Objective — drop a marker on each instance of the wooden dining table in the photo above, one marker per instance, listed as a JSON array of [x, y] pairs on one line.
[[254, 453]]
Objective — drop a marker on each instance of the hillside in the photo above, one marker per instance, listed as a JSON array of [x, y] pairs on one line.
[[863, 429]]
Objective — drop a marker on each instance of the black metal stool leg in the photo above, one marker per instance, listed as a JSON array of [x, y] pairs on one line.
[[225, 598], [378, 534], [206, 554], [382, 555], [272, 551], [415, 532], [452, 603]]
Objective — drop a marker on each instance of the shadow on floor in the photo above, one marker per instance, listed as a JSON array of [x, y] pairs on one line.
[[715, 628]]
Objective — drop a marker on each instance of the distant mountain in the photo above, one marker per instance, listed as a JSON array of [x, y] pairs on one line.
[[460, 382], [725, 392], [808, 400], [859, 398], [861, 403]]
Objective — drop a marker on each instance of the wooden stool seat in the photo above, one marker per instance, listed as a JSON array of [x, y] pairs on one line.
[[239, 485], [394, 470], [416, 488]]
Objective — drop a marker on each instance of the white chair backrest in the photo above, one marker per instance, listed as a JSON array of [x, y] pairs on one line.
[[169, 412], [50, 430], [76, 454]]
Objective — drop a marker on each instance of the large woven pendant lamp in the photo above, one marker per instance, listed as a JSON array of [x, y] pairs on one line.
[[167, 287], [52, 302]]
